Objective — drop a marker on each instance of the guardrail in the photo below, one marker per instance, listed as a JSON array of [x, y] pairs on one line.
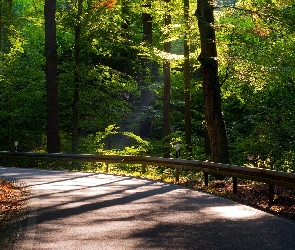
[[268, 176]]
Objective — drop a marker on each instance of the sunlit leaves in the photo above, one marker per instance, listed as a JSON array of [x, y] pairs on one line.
[[105, 95], [259, 62], [115, 142], [22, 82], [110, 4]]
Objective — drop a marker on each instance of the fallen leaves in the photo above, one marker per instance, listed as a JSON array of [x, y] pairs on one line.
[[13, 197]]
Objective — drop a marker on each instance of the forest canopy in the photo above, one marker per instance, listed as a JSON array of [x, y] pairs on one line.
[[130, 79]]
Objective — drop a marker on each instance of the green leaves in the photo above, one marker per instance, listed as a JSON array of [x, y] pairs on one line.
[[258, 101], [112, 141]]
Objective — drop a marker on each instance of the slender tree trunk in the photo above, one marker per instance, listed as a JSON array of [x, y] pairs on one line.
[[124, 54], [75, 117], [1, 23], [187, 87], [75, 104], [167, 90], [146, 95], [53, 139], [5, 21], [211, 87]]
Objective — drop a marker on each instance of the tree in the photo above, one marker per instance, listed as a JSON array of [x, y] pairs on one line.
[[53, 139], [146, 95], [257, 95], [75, 104], [211, 86], [167, 85], [6, 20], [187, 87]]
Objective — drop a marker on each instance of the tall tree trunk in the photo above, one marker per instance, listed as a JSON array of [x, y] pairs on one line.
[[167, 90], [211, 87], [5, 21], [146, 95], [75, 104], [187, 87], [126, 66], [1, 23], [53, 139]]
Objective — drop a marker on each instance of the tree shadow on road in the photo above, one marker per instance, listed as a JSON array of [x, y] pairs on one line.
[[110, 210]]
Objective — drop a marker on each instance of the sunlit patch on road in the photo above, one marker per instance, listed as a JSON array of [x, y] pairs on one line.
[[233, 212]]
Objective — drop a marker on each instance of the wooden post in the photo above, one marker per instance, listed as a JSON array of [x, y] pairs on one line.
[[206, 175], [235, 185], [177, 175], [107, 167], [143, 168], [271, 193]]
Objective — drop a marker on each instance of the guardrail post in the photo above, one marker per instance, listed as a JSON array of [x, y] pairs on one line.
[[143, 168], [271, 193], [177, 174], [107, 167], [235, 185], [206, 175]]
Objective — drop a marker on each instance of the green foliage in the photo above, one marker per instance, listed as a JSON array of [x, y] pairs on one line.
[[114, 142], [256, 61], [105, 96], [258, 66], [22, 91]]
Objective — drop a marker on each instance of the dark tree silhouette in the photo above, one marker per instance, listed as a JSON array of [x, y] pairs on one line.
[[53, 139]]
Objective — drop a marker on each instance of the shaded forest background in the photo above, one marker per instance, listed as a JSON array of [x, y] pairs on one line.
[[112, 58]]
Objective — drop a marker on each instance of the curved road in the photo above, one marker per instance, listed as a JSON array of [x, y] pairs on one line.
[[85, 211]]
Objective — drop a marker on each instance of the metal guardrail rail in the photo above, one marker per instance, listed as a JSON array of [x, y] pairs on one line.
[[268, 176]]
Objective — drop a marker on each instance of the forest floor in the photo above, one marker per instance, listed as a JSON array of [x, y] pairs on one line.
[[13, 201], [14, 196]]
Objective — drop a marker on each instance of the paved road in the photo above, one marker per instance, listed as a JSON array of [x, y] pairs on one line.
[[85, 211]]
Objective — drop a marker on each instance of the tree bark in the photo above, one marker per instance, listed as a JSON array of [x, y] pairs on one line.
[[126, 67], [5, 21], [167, 90], [146, 95], [1, 23], [211, 87], [187, 87], [53, 139], [76, 91]]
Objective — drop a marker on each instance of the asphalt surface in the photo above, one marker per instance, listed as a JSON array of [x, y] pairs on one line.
[[74, 210]]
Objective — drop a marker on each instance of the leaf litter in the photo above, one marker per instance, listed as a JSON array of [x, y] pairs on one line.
[[13, 202]]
